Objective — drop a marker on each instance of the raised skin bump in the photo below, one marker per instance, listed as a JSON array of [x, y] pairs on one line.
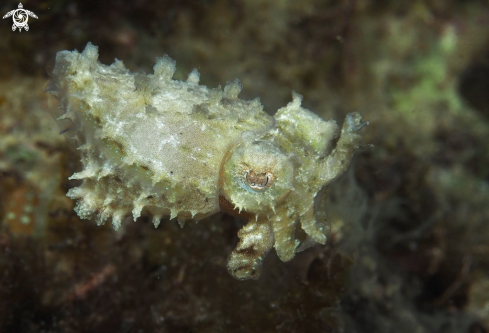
[[154, 145]]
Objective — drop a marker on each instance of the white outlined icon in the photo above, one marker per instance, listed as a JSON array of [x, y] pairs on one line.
[[20, 17]]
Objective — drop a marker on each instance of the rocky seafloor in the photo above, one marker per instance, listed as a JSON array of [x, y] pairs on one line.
[[409, 244]]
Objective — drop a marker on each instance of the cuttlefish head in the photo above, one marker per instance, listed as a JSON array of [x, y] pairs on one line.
[[275, 179]]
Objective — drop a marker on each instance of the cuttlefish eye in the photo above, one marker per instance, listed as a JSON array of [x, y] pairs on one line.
[[258, 181], [257, 176]]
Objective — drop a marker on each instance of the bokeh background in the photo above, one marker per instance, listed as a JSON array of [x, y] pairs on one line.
[[409, 244]]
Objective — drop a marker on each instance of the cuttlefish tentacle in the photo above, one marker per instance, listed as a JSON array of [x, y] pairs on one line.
[[256, 240]]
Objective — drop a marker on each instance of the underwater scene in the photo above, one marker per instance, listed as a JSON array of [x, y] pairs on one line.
[[244, 166]]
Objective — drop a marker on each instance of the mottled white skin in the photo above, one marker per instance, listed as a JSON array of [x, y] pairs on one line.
[[169, 148]]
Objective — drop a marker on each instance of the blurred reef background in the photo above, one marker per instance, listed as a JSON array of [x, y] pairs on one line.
[[409, 245]]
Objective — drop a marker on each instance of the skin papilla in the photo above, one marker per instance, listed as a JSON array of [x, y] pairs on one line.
[[154, 145]]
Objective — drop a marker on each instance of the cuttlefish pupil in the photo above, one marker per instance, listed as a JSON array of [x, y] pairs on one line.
[[258, 181]]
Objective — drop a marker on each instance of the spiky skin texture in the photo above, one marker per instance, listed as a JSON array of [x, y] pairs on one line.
[[150, 144]]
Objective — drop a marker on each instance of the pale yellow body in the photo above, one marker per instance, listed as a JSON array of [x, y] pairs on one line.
[[154, 145]]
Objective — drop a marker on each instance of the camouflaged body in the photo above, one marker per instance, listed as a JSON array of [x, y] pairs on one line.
[[154, 145]]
